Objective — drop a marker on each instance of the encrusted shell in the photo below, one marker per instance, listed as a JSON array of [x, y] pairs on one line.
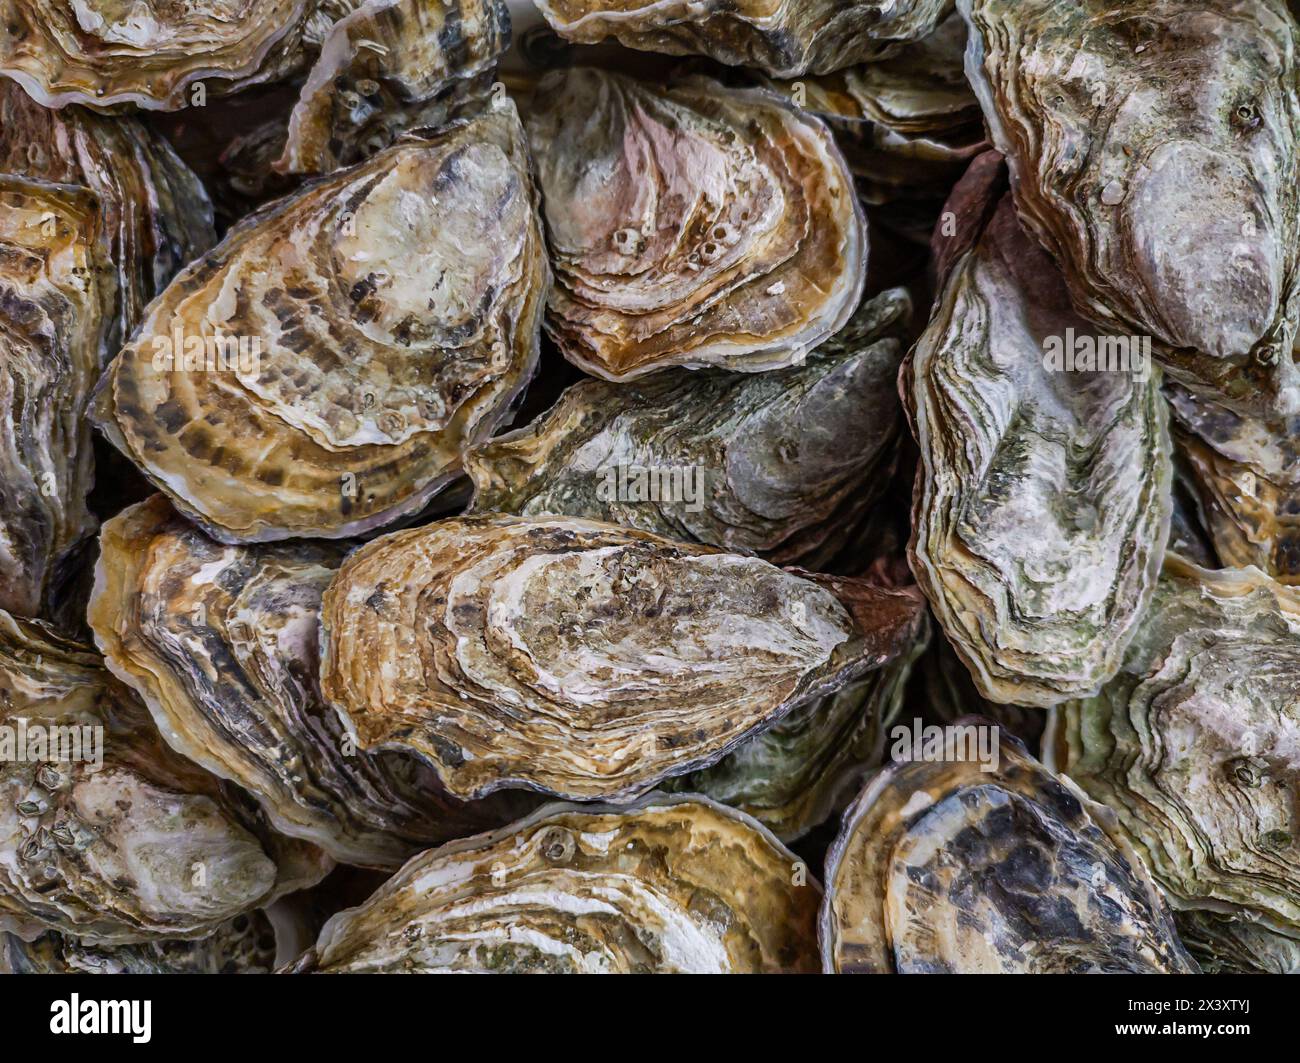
[[674, 884]]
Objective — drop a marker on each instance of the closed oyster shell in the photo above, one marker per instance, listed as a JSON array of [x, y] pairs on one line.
[[220, 642], [696, 225], [785, 38], [785, 465], [1196, 743], [580, 658], [116, 839], [945, 867], [1042, 500], [56, 307], [1153, 152], [672, 884], [390, 66], [385, 320]]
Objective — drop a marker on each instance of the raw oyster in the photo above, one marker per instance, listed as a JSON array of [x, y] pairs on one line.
[[672, 884], [105, 834], [56, 307], [697, 225], [245, 945], [785, 464], [1153, 151], [1247, 475], [1042, 500], [321, 371], [1196, 743], [390, 66], [947, 867], [220, 642], [579, 658], [785, 38]]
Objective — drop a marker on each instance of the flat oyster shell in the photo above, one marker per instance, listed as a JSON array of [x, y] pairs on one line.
[[1196, 743], [1153, 151], [131, 845], [671, 885], [388, 319], [1042, 500], [56, 307], [697, 225], [220, 642], [785, 38], [579, 658], [390, 66], [944, 867], [785, 465]]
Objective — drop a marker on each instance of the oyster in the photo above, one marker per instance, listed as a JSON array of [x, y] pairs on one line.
[[321, 371], [672, 884], [946, 867], [220, 642], [785, 464], [697, 225], [1224, 945], [105, 834], [579, 658], [785, 38], [1195, 743], [1042, 501], [1153, 152]]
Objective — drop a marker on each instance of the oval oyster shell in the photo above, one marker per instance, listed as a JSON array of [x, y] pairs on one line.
[[220, 642], [1042, 501], [672, 884], [784, 465], [387, 321], [580, 658], [116, 840], [696, 225], [1153, 151], [785, 38], [946, 867], [1196, 743]]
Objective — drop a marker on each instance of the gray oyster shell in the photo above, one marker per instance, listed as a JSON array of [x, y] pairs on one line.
[[696, 225], [672, 885], [1042, 501], [1153, 152], [943, 867], [220, 642], [579, 658], [323, 388], [786, 465]]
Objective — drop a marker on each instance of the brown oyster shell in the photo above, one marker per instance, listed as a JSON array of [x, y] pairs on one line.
[[579, 658], [784, 38], [672, 884], [220, 642], [1153, 152], [786, 465], [385, 329], [942, 867], [697, 225]]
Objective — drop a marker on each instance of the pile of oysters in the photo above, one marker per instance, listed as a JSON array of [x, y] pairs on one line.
[[649, 486]]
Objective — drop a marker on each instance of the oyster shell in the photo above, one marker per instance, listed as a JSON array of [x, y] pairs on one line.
[[945, 867], [105, 834], [579, 658], [696, 225], [1153, 152], [785, 38], [390, 66], [1042, 501], [1194, 743], [785, 464], [1224, 945], [344, 346], [673, 884]]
